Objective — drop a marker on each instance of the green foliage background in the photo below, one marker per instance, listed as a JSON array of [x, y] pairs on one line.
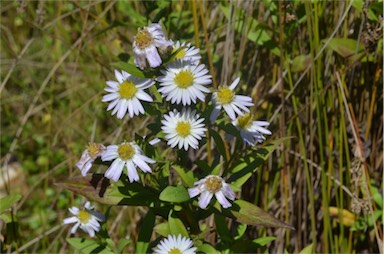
[[313, 68]]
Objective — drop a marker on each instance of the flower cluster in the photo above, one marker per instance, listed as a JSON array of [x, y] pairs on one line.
[[174, 72]]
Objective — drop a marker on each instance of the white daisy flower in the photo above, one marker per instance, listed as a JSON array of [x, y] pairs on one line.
[[251, 131], [128, 155], [146, 44], [87, 219], [184, 82], [183, 129], [233, 104], [125, 95], [209, 186], [188, 53], [89, 155], [175, 245]]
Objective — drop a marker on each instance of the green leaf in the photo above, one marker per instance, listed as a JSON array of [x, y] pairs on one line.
[[247, 166], [100, 189], [156, 93], [145, 233], [374, 217], [206, 248], [307, 250], [88, 246], [262, 241], [174, 194], [345, 47], [186, 175], [377, 196], [122, 244], [216, 169], [203, 165], [250, 214], [8, 201], [219, 143], [240, 231], [6, 217], [301, 63], [358, 4], [162, 229], [221, 229], [131, 69], [176, 226]]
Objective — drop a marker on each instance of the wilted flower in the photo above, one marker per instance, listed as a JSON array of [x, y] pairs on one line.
[[89, 155], [209, 186], [87, 219], [146, 44], [128, 155], [125, 95], [183, 129], [184, 82], [233, 104], [251, 131], [175, 245]]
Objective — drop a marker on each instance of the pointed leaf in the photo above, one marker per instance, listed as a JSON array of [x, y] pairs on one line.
[[162, 229], [221, 229], [8, 201], [176, 226], [262, 241], [240, 231], [250, 214], [174, 194], [307, 250], [186, 175], [301, 62], [345, 47], [132, 69], [219, 143], [145, 233], [100, 189], [206, 248], [88, 246], [247, 166], [122, 244]]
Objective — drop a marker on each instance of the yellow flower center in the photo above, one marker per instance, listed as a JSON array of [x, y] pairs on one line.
[[175, 251], [184, 79], [127, 89], [143, 39], [94, 149], [84, 216], [225, 95], [245, 121], [183, 129], [213, 184], [181, 54], [126, 151]]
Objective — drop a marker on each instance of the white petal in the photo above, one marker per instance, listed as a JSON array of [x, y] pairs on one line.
[[132, 172], [234, 83], [119, 77], [74, 228], [204, 199], [193, 192], [70, 220], [222, 200]]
